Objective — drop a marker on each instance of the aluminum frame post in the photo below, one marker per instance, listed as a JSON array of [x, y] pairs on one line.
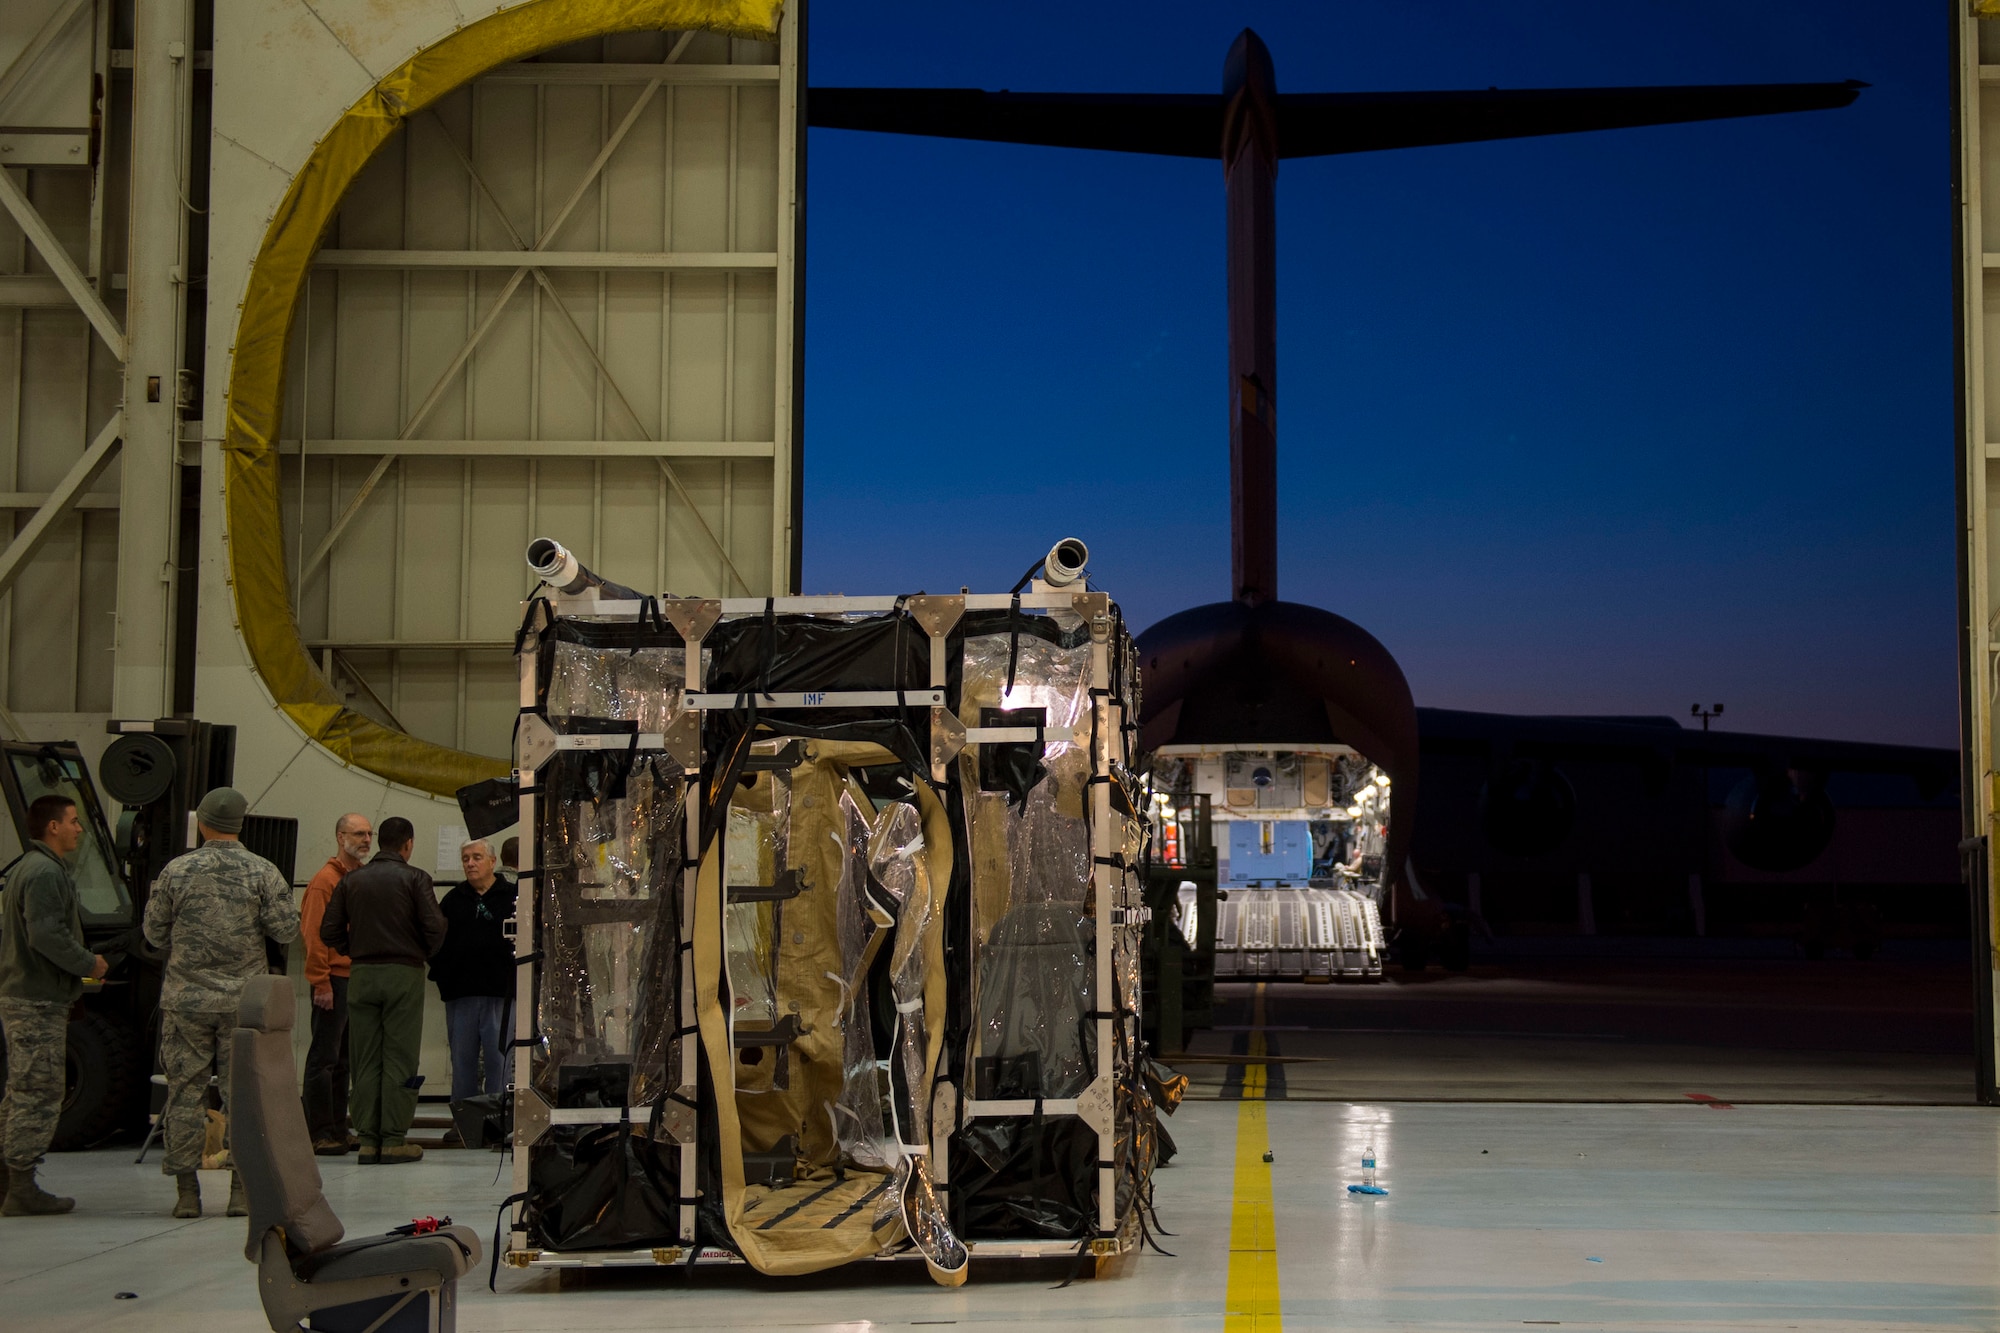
[[155, 334]]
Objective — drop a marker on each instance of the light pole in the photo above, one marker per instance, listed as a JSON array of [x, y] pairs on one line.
[[1705, 714]]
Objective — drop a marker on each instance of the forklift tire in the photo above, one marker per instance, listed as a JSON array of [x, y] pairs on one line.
[[103, 1082]]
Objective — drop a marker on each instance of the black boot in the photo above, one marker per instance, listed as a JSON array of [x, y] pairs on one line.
[[27, 1199], [187, 1203]]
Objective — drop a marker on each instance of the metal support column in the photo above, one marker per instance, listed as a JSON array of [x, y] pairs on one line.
[[162, 100]]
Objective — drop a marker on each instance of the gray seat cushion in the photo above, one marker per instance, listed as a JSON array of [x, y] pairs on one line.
[[445, 1255], [268, 1126], [266, 1005]]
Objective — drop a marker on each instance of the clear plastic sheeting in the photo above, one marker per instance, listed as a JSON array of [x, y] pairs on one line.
[[859, 1127], [1031, 878], [929, 1227], [755, 854], [641, 685], [610, 868], [894, 847], [1034, 990]]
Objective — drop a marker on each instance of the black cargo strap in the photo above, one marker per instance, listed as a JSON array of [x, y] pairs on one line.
[[499, 1227], [1013, 640], [535, 604], [859, 1204], [806, 1202]]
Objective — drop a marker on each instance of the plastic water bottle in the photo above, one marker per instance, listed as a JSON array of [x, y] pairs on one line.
[[1368, 1165]]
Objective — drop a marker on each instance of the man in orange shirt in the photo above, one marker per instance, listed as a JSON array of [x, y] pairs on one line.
[[326, 972]]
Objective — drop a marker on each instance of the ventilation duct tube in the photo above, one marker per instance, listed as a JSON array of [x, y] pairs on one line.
[[555, 566], [1064, 562]]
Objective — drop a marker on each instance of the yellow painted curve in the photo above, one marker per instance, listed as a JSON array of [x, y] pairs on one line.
[[265, 616]]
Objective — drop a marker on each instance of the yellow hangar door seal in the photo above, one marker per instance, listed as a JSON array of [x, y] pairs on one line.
[[255, 544]]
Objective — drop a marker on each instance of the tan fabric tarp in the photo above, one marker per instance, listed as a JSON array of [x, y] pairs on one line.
[[802, 1244], [255, 542]]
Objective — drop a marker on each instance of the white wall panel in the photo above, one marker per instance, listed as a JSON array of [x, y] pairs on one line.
[[58, 386], [432, 559]]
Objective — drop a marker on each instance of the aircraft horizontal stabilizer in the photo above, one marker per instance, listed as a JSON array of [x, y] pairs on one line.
[[1317, 124], [1309, 124]]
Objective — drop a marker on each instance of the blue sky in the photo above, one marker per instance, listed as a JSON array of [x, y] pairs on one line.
[[1593, 423]]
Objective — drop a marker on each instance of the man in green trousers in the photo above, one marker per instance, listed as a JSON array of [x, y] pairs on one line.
[[385, 917]]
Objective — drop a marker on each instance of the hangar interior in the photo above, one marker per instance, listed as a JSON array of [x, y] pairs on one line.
[[562, 297]]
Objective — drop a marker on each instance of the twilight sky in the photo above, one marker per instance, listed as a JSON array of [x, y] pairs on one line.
[[1601, 423]]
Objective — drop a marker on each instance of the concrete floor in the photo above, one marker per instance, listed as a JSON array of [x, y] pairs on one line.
[[1605, 1029], [1499, 1216]]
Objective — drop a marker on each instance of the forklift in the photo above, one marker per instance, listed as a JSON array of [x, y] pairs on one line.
[[157, 771]]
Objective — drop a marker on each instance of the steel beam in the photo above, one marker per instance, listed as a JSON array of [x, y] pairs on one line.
[[538, 253], [37, 46], [555, 72], [156, 262], [746, 261], [57, 258], [16, 501], [535, 448], [33, 291], [28, 538]]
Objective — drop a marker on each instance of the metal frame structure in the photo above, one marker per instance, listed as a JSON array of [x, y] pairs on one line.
[[1118, 904], [101, 269], [1976, 88]]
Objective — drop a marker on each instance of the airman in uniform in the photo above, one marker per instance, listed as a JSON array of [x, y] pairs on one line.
[[211, 910], [42, 965]]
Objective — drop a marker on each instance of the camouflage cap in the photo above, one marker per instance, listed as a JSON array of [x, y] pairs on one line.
[[222, 810]]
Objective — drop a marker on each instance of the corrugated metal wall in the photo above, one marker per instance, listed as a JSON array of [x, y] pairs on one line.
[[58, 384], [625, 403]]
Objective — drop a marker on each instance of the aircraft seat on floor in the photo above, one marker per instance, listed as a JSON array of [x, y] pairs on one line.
[[305, 1269]]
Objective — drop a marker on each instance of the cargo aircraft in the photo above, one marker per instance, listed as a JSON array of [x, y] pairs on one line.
[[1254, 685]]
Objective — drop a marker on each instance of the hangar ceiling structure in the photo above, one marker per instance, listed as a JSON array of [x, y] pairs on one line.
[[1976, 169], [294, 495]]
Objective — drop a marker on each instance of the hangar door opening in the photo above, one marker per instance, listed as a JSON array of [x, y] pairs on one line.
[[556, 303]]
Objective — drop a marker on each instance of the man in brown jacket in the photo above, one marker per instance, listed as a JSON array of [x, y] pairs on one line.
[[385, 918], [325, 1092]]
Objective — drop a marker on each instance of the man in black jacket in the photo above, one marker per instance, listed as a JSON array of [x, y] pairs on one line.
[[385, 917], [474, 972]]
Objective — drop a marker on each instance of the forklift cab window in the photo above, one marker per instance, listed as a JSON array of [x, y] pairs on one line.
[[100, 891]]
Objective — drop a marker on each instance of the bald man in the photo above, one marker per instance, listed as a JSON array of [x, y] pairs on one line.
[[326, 971]]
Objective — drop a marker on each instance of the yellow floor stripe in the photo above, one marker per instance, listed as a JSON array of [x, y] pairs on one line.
[[1252, 1303]]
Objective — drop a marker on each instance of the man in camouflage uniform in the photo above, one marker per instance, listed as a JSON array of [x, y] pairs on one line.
[[42, 965], [211, 911]]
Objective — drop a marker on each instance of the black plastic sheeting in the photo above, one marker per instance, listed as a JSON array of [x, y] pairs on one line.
[[602, 1187], [1023, 1178]]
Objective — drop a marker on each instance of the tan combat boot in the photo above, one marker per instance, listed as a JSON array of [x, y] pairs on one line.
[[239, 1202], [27, 1199], [188, 1201]]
